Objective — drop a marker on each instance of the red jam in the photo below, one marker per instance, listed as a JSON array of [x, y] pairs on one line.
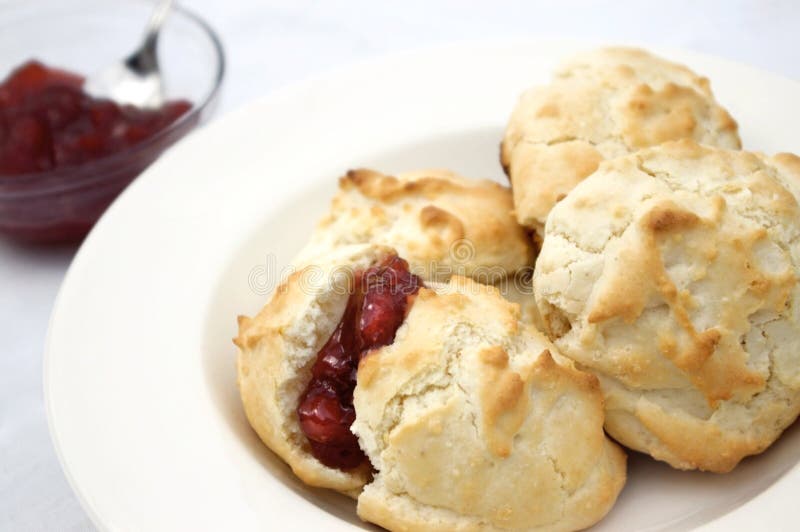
[[61, 151], [374, 312], [47, 121]]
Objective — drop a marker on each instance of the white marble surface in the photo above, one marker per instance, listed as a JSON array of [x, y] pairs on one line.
[[270, 44]]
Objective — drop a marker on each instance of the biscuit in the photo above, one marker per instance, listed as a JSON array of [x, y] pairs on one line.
[[471, 424], [672, 275], [602, 105], [440, 222]]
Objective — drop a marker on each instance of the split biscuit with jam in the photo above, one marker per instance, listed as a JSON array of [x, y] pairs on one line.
[[435, 405]]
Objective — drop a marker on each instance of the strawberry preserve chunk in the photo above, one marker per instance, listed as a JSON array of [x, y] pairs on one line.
[[374, 312]]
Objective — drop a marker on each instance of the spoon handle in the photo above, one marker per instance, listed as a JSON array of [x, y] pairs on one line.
[[157, 19], [145, 60]]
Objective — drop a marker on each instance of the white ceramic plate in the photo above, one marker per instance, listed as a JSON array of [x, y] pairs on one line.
[[139, 374]]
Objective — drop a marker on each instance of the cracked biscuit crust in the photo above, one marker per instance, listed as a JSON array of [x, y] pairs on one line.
[[602, 105], [440, 222], [472, 425], [672, 275]]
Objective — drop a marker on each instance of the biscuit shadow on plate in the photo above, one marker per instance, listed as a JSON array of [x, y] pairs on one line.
[[658, 497]]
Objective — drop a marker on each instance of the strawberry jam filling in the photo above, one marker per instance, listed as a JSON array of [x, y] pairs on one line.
[[375, 310]]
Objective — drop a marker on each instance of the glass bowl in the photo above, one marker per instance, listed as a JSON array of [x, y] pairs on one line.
[[83, 36]]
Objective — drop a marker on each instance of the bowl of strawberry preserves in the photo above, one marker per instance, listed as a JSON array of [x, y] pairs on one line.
[[65, 154]]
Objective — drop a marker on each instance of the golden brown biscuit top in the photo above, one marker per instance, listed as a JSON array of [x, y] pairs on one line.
[[440, 222], [621, 66], [602, 105], [468, 411], [659, 265]]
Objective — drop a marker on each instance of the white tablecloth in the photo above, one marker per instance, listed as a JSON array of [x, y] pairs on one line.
[[270, 44]]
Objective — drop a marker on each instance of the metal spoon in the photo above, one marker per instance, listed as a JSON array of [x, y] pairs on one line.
[[135, 80]]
